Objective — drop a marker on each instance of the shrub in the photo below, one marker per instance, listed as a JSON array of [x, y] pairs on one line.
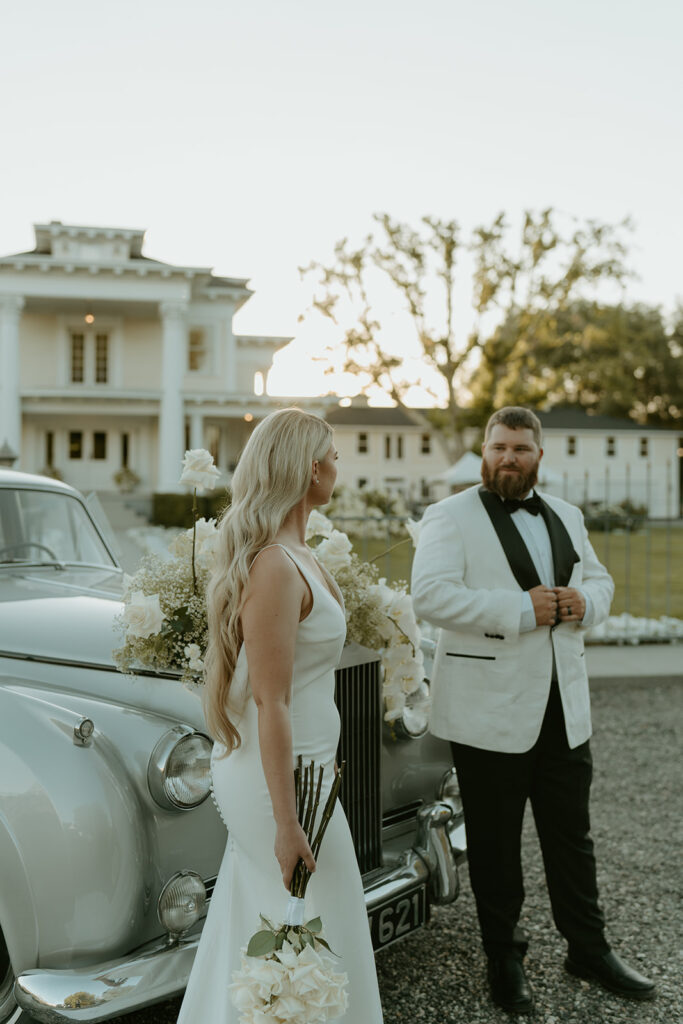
[[176, 509], [601, 516]]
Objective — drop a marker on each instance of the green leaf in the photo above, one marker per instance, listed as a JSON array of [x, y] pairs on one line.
[[181, 621], [314, 925], [324, 943], [308, 939], [268, 924], [261, 943]]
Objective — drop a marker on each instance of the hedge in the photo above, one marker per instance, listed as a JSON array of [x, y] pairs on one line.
[[176, 509]]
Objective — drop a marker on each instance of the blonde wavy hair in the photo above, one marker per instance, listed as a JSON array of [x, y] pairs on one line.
[[272, 476]]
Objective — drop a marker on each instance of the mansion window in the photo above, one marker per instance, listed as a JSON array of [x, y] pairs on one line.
[[89, 358], [399, 446], [644, 447], [99, 445], [571, 446], [387, 446], [611, 446], [101, 358], [425, 444], [75, 444], [362, 447], [197, 351], [77, 358]]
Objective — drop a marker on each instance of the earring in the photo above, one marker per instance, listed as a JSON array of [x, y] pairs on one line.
[[315, 480]]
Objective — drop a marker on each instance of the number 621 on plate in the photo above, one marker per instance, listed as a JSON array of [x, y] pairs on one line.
[[394, 918]]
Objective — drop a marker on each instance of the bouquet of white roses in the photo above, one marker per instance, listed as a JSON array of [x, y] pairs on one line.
[[164, 617], [286, 975]]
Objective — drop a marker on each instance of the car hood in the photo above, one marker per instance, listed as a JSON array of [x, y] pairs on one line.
[[60, 615]]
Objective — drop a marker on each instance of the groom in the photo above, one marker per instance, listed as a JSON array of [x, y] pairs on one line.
[[512, 581]]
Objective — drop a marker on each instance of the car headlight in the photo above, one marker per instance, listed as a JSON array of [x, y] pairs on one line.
[[182, 902], [179, 770], [449, 791]]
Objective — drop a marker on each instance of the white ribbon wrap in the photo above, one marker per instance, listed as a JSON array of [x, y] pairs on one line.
[[295, 910]]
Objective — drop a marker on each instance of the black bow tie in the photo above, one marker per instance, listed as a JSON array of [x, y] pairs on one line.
[[532, 504]]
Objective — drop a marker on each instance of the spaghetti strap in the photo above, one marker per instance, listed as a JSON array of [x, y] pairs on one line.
[[275, 544]]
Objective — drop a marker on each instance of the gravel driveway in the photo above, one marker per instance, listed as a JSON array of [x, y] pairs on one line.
[[438, 975]]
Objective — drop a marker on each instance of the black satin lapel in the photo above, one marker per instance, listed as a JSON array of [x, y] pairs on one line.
[[515, 549], [564, 555]]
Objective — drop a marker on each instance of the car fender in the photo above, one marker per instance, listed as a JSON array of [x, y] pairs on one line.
[[75, 825], [17, 906]]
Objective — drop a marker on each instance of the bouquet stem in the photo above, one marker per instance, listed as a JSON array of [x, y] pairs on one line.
[[194, 538], [307, 803]]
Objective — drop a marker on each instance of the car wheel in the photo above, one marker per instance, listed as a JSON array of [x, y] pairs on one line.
[[10, 1013]]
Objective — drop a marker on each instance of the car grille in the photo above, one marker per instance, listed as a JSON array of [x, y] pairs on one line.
[[359, 699]]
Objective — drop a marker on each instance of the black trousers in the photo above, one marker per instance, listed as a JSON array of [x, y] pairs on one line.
[[495, 788]]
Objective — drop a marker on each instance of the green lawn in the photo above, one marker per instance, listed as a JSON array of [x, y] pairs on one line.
[[647, 567]]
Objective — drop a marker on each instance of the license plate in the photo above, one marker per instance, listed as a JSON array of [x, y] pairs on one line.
[[398, 916]]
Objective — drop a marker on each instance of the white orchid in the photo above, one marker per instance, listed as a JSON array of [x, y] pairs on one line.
[[318, 525], [413, 529]]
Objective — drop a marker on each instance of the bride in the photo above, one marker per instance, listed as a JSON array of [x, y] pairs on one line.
[[276, 631]]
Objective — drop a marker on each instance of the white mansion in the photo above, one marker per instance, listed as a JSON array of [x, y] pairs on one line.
[[111, 360]]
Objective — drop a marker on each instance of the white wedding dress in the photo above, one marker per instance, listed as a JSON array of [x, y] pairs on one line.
[[249, 882]]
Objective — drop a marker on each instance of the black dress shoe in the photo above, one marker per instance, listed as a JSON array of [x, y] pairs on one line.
[[509, 986], [613, 974]]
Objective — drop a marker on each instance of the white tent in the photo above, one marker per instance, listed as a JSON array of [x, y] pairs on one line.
[[467, 470]]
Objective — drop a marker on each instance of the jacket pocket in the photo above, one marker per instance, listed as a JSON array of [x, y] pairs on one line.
[[477, 657]]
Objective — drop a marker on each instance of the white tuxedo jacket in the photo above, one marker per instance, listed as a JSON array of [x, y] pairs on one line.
[[490, 683]]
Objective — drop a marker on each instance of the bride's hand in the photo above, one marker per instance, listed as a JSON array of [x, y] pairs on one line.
[[291, 845]]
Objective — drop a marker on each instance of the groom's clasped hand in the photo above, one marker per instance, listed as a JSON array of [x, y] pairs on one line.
[[553, 605]]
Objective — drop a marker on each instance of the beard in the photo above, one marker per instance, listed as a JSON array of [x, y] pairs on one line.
[[508, 484]]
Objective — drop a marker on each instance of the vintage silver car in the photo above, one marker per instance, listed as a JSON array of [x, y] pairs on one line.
[[109, 847]]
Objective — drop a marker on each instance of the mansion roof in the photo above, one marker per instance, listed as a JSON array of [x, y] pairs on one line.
[[77, 248], [565, 418]]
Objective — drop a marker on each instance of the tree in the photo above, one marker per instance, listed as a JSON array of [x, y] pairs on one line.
[[611, 359], [517, 297]]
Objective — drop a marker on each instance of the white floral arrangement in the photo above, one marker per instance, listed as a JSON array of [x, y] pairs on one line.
[[294, 984], [164, 617]]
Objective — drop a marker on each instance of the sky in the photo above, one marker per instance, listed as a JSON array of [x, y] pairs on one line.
[[249, 137]]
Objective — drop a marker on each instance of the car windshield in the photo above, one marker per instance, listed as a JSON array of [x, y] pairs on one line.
[[45, 527]]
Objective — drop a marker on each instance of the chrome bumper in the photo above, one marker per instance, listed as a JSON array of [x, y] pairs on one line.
[[96, 993], [160, 970]]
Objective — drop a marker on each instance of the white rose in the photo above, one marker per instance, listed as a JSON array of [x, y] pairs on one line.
[[193, 653], [143, 615], [199, 470], [335, 552]]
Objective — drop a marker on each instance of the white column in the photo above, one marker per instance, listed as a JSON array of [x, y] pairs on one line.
[[171, 410], [10, 397], [196, 429]]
